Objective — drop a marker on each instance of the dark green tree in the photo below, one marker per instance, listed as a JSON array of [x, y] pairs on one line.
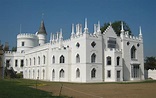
[[150, 63], [14, 49], [117, 27]]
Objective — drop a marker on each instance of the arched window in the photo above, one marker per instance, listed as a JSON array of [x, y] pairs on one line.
[[61, 73], [38, 74], [133, 52], [30, 61], [38, 60], [77, 58], [43, 74], [34, 61], [109, 60], [118, 61], [44, 59], [53, 59], [78, 73], [53, 74], [93, 58], [62, 59], [93, 73]]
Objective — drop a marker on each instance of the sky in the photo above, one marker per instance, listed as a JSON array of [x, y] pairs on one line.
[[62, 13]]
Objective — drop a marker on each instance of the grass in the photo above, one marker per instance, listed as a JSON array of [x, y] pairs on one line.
[[21, 89]]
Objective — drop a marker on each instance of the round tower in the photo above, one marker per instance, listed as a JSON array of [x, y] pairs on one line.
[[42, 34], [26, 41]]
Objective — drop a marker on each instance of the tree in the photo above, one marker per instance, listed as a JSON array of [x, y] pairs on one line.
[[117, 27], [150, 63], [14, 49]]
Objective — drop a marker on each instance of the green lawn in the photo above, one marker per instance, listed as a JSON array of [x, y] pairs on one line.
[[20, 89]]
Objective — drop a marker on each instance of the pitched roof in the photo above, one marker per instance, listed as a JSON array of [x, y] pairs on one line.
[[42, 29]]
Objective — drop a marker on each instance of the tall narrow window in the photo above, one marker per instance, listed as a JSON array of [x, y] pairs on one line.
[[108, 60], [22, 63], [77, 58], [38, 60], [133, 52], [118, 61], [93, 58], [53, 74], [16, 63], [22, 43], [53, 59], [34, 61], [44, 59], [30, 61], [38, 74], [61, 73], [78, 73], [62, 59], [43, 74], [93, 73], [108, 74]]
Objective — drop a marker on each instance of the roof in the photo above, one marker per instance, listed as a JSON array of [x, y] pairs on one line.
[[42, 29]]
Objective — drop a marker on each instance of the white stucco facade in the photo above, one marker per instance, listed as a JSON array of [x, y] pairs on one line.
[[84, 57]]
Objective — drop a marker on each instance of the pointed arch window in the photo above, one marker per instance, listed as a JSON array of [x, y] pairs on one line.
[[34, 61], [77, 58], [93, 73], [53, 74], [53, 59], [109, 60], [93, 58], [118, 61], [133, 52], [38, 60], [62, 59], [78, 73], [44, 59], [62, 73]]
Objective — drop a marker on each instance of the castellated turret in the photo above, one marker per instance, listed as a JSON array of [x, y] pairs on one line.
[[42, 34], [26, 41]]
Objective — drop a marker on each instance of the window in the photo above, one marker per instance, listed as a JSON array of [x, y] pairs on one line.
[[118, 61], [77, 58], [93, 58], [61, 73], [53, 59], [77, 73], [53, 74], [111, 42], [62, 60], [77, 45], [38, 74], [30, 61], [22, 63], [135, 70], [108, 74], [16, 63], [93, 73], [93, 44], [38, 60], [108, 60], [128, 43], [34, 61], [44, 59], [43, 74], [133, 52], [22, 43]]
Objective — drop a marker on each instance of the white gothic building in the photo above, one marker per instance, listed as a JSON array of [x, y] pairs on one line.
[[84, 57]]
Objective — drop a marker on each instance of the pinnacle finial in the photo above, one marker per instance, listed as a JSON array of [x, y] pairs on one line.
[[122, 27], [72, 29], [85, 22], [140, 32]]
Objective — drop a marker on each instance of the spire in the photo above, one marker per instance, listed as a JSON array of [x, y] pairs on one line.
[[122, 27], [86, 28], [60, 37], [51, 37], [42, 29], [140, 32], [72, 29], [98, 28]]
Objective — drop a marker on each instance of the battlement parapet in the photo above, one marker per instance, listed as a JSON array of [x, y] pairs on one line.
[[27, 35]]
